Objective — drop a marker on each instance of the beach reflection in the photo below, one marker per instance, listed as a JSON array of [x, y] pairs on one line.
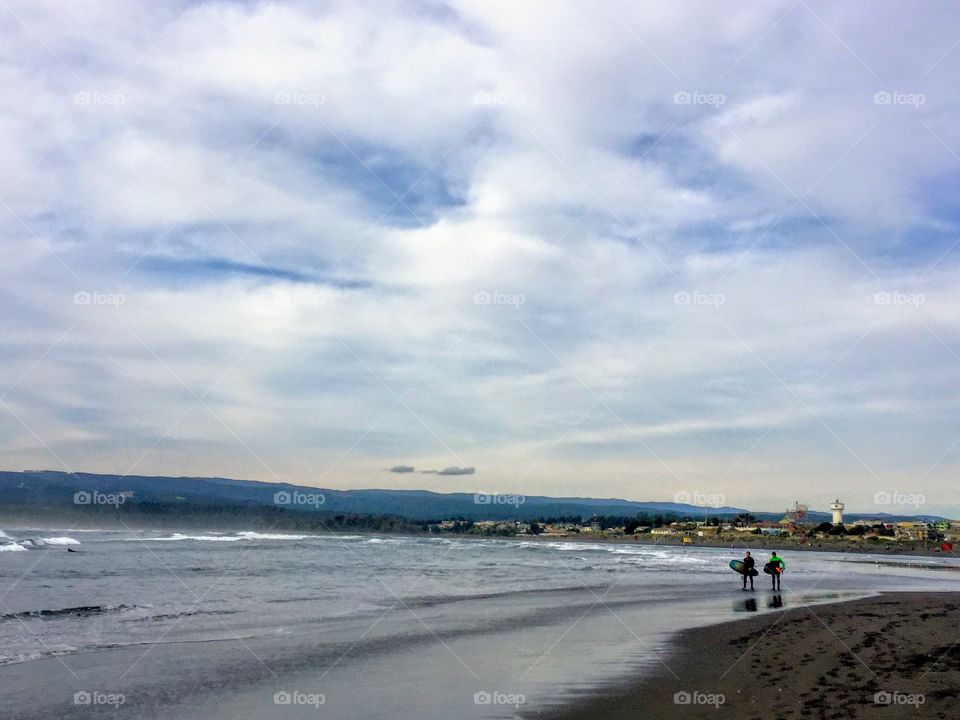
[[750, 604]]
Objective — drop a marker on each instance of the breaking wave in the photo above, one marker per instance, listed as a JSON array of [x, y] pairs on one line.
[[33, 543], [245, 535]]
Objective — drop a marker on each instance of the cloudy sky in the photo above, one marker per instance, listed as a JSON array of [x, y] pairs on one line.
[[598, 249]]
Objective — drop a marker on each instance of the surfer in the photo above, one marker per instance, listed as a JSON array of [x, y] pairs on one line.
[[776, 566], [748, 564]]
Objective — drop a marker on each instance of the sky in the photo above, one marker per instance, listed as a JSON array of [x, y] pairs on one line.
[[615, 249]]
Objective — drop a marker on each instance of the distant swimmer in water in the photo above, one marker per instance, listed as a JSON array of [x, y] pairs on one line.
[[72, 550]]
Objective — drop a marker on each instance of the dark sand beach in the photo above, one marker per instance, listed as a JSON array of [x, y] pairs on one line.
[[892, 656]]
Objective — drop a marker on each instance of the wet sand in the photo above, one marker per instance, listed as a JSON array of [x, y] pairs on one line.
[[893, 656]]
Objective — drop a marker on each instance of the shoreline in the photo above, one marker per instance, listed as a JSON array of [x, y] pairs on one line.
[[736, 544], [886, 656], [767, 542]]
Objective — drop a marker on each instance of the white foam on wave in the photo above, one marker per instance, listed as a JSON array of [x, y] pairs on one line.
[[4, 536], [60, 541], [245, 535], [271, 536], [200, 538], [36, 542], [12, 547], [550, 544], [632, 551]]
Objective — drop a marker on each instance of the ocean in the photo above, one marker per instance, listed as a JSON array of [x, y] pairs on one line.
[[188, 624]]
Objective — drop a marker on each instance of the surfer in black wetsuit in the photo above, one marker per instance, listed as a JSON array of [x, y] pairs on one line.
[[748, 564]]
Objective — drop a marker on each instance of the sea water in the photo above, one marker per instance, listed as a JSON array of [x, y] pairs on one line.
[[192, 624]]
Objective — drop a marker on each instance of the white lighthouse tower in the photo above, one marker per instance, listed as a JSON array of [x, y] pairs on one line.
[[837, 509]]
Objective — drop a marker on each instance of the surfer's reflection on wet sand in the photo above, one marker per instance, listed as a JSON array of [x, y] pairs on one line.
[[750, 604]]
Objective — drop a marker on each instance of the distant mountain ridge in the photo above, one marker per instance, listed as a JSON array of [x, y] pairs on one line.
[[48, 489]]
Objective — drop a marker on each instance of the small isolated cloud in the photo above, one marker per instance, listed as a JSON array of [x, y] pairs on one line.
[[453, 470], [401, 469]]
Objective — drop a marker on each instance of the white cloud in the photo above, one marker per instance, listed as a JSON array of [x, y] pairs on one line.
[[460, 235]]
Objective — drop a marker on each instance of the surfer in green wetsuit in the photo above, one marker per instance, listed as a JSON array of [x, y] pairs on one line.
[[776, 566], [748, 564]]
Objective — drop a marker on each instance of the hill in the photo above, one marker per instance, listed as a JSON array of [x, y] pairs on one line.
[[51, 490], [48, 492]]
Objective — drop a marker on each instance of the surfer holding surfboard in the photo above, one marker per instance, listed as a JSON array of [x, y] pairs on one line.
[[748, 571], [746, 568], [774, 568]]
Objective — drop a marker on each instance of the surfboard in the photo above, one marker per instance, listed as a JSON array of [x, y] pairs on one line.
[[737, 565], [770, 571]]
